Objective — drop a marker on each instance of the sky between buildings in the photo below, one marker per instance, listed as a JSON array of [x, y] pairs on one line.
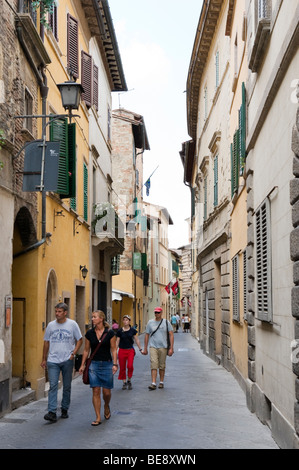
[[155, 39]]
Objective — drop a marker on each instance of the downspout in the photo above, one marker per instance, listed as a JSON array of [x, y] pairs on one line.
[[42, 83]]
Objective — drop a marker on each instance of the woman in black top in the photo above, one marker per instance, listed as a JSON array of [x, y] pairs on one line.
[[104, 363], [125, 343]]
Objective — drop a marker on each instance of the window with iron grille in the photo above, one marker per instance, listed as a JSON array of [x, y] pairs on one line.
[[245, 283], [263, 262], [236, 289], [216, 181]]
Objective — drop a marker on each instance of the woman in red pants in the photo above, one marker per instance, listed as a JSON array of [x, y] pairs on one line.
[[125, 337]]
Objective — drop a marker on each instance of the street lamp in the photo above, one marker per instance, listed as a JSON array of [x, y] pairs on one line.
[[84, 271], [70, 92]]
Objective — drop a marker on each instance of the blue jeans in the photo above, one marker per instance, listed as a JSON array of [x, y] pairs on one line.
[[53, 373]]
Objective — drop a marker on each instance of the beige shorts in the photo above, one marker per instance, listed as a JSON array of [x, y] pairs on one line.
[[158, 358]]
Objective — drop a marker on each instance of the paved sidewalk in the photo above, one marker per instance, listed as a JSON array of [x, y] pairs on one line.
[[201, 407]]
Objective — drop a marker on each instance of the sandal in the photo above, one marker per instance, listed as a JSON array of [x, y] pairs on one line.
[[152, 387], [107, 416], [96, 423]]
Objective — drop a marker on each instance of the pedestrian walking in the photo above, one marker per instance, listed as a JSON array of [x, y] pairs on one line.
[[173, 321], [178, 319], [156, 339], [103, 365], [125, 338], [187, 324], [62, 340]]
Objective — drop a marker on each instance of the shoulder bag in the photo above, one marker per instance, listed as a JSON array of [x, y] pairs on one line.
[[168, 340], [85, 376]]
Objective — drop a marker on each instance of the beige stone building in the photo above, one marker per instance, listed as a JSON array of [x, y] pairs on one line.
[[129, 142], [242, 168]]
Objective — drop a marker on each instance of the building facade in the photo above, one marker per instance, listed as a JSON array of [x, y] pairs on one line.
[[241, 166]]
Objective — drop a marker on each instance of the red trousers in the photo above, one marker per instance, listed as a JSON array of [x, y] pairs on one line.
[[125, 360]]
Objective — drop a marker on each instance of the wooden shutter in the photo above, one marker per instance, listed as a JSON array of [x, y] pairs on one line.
[[235, 163], [263, 262], [72, 45], [95, 98], [235, 285], [59, 133], [53, 22], [85, 191], [86, 79], [72, 159]]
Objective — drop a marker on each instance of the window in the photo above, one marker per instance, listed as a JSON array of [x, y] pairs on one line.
[[72, 46], [217, 68], [216, 181], [95, 97], [238, 147], [206, 102], [61, 131], [205, 198], [86, 79], [263, 262], [53, 22], [245, 283], [235, 285], [28, 111]]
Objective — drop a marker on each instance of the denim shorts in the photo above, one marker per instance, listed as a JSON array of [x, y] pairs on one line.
[[100, 374]]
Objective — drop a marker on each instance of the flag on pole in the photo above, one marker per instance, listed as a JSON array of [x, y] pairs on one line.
[[175, 288], [167, 288], [147, 184]]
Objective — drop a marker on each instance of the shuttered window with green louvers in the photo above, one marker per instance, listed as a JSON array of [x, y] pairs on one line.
[[61, 131], [85, 191]]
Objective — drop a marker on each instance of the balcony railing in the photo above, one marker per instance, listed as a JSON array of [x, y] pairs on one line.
[[107, 226]]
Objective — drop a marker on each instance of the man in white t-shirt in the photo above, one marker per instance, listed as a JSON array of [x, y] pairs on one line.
[[62, 341], [156, 338]]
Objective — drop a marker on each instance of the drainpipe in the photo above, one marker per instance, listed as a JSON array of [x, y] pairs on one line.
[[42, 83]]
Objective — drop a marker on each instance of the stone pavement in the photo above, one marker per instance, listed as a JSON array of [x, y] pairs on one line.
[[201, 407]]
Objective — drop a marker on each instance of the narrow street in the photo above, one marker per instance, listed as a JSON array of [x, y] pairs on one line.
[[201, 407]]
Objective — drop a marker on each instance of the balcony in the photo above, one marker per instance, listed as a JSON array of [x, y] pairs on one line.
[[107, 228]]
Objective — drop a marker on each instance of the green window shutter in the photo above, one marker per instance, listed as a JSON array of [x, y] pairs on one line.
[[72, 160], [59, 133], [143, 261], [85, 191], [216, 181], [235, 163]]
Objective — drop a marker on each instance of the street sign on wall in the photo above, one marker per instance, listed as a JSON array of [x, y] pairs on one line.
[[33, 166]]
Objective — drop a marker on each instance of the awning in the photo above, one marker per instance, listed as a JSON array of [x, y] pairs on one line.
[[119, 294]]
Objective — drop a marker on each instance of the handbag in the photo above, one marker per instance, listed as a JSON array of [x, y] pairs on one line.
[[85, 375]]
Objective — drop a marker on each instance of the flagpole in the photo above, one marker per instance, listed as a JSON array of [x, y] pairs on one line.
[[151, 175]]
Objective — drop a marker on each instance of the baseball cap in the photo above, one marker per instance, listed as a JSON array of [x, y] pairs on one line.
[[158, 310], [127, 316]]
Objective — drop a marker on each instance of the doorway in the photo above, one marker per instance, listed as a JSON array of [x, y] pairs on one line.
[[18, 344]]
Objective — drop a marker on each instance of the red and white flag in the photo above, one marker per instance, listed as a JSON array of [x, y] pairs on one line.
[[167, 288], [175, 288]]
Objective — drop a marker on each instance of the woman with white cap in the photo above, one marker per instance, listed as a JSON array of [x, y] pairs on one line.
[[125, 337]]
